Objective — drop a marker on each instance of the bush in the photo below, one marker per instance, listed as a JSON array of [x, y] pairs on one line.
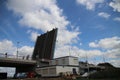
[[108, 73]]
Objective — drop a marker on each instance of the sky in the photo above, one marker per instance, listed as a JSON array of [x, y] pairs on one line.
[[88, 29]]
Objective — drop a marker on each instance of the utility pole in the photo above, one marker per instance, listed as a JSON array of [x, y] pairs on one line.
[[103, 58], [17, 49], [69, 52], [87, 65]]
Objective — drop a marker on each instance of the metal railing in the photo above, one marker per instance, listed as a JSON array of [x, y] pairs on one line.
[[6, 55]]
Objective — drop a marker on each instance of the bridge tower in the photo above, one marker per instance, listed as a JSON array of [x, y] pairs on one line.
[[44, 48]]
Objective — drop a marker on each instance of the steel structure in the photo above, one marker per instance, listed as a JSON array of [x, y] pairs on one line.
[[44, 47]]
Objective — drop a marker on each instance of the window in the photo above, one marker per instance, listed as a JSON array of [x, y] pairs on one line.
[[45, 71], [75, 60], [51, 62], [56, 62], [52, 70], [63, 61]]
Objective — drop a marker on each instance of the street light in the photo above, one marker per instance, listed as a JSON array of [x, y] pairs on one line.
[[17, 49], [87, 65]]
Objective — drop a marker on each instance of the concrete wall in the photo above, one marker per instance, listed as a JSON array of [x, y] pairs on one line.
[[64, 69], [47, 71]]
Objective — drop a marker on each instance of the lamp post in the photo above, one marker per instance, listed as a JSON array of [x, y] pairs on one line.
[[17, 49], [87, 65]]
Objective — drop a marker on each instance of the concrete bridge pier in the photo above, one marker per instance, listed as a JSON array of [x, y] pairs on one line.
[[25, 69]]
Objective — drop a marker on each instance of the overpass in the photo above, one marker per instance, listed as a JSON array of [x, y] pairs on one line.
[[21, 65]]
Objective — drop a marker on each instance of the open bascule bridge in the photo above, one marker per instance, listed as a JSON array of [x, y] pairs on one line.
[[43, 52]]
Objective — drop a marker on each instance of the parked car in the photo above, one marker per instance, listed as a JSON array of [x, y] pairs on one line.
[[20, 75], [26, 75]]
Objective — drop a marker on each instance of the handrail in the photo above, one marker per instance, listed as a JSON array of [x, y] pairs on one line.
[[6, 55]]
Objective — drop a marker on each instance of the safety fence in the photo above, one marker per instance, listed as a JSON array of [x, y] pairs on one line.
[[6, 55]]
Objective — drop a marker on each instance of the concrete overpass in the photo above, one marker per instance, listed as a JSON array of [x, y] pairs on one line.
[[21, 65], [14, 62]]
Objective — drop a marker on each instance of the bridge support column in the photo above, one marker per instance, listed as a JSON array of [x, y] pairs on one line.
[[25, 69]]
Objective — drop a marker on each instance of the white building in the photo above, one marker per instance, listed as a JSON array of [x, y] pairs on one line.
[[67, 60], [67, 64]]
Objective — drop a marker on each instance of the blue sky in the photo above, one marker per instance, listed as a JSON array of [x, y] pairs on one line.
[[85, 27]]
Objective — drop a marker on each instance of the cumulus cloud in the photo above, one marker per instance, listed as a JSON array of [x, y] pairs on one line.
[[33, 35], [104, 15], [75, 51], [93, 44], [115, 4], [90, 4], [117, 19], [7, 46], [11, 49], [67, 37], [106, 43], [26, 50], [113, 53], [39, 14]]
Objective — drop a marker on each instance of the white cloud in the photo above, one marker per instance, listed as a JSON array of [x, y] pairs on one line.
[[117, 19], [75, 51], [67, 37], [115, 62], [90, 4], [33, 35], [107, 43], [25, 50], [93, 44], [104, 15], [7, 46], [11, 49], [39, 14], [113, 53], [115, 4]]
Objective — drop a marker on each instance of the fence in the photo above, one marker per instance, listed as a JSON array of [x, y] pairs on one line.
[[6, 55]]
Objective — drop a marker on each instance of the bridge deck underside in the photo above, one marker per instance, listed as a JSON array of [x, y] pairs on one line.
[[16, 63]]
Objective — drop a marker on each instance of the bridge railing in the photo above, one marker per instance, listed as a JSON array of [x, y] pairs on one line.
[[5, 55]]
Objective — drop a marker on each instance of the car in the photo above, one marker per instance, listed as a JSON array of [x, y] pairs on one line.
[[20, 75], [30, 74]]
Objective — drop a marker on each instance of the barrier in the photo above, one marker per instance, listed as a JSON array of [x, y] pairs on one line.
[[6, 55]]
